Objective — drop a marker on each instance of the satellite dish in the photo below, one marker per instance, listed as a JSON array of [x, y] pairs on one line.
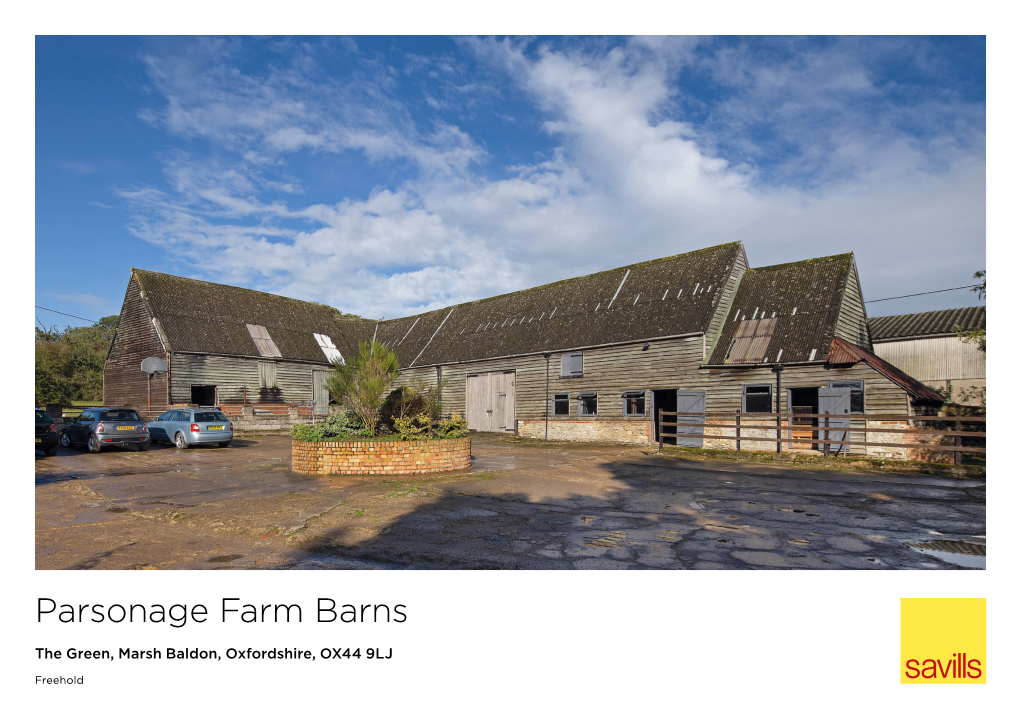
[[152, 364]]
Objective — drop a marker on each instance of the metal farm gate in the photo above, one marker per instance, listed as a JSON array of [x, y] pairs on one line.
[[491, 404]]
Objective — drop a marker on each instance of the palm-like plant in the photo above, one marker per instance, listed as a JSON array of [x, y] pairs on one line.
[[361, 383]]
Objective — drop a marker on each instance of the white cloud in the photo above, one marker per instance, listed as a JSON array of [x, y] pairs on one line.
[[630, 178]]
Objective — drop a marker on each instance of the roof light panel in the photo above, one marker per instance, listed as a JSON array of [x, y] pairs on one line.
[[329, 349]]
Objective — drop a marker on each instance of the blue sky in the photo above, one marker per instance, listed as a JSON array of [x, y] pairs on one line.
[[385, 176]]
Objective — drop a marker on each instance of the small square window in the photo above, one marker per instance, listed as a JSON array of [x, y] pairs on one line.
[[587, 404], [856, 393], [758, 399], [634, 403], [561, 404]]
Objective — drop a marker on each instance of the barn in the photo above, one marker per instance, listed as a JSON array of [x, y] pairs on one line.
[[927, 346], [223, 345], [591, 358]]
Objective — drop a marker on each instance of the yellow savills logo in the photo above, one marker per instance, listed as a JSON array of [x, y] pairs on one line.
[[942, 640]]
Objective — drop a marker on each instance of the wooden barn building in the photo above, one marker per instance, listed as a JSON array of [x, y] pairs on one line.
[[223, 345], [589, 358]]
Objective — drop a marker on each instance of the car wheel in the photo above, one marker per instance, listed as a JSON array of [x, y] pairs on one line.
[[180, 442], [51, 451], [144, 446], [65, 440], [223, 444], [93, 445]]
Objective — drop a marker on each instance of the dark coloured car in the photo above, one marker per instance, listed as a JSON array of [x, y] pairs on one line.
[[97, 428], [45, 433], [186, 426]]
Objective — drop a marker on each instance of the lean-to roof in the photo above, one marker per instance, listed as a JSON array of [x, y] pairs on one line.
[[804, 298], [842, 352], [201, 317], [935, 322], [664, 297]]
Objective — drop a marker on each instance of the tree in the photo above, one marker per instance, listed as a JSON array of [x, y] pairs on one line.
[[361, 383], [69, 363], [977, 336]]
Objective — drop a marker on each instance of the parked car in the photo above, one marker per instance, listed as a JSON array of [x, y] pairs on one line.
[[183, 427], [97, 428], [45, 433]]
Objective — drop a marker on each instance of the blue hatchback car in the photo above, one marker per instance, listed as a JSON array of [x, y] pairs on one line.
[[183, 427]]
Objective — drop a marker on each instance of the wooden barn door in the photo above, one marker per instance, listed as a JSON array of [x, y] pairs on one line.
[[837, 402], [688, 402], [478, 410], [490, 401], [320, 396]]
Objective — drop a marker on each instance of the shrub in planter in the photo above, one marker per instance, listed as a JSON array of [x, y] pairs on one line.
[[422, 427], [339, 425]]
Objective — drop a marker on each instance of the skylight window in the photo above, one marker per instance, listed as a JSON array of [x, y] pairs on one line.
[[330, 350], [263, 342], [751, 341]]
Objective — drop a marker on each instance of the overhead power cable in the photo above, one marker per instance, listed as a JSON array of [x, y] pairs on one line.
[[928, 292], [67, 314]]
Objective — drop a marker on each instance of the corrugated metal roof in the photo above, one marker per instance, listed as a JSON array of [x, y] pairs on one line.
[[842, 352], [204, 317], [668, 296], [933, 322], [805, 299]]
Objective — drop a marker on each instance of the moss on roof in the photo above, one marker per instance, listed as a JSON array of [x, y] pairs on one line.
[[934, 322], [803, 296]]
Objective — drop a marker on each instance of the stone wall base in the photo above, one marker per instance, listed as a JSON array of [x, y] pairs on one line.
[[635, 432]]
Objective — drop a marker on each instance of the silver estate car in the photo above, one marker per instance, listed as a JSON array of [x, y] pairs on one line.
[[186, 426], [98, 428]]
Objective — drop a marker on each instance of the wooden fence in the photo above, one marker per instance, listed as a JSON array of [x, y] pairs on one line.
[[832, 435]]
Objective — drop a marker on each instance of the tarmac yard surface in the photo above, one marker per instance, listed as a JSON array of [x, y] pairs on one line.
[[523, 504]]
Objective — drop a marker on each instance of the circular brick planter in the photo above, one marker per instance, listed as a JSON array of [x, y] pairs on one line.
[[380, 458]]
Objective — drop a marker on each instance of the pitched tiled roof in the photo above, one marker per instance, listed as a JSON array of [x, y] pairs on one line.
[[663, 297], [934, 322], [804, 297], [204, 317], [842, 352]]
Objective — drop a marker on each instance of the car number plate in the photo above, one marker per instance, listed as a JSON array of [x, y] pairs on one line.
[[38, 440], [215, 428], [125, 428]]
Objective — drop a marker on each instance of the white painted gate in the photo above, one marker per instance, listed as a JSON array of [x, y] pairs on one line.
[[491, 402]]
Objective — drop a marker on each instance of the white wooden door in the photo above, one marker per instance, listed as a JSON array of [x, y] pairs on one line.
[[490, 401], [837, 402], [688, 402]]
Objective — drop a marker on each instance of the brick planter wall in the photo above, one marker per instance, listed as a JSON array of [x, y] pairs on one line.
[[380, 458]]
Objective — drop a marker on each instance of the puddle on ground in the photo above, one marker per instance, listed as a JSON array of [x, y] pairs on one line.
[[962, 553], [116, 510], [225, 559]]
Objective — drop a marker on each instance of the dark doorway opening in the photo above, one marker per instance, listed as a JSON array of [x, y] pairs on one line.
[[664, 400], [803, 401], [203, 395]]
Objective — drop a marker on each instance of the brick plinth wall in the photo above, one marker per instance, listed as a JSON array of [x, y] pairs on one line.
[[380, 458]]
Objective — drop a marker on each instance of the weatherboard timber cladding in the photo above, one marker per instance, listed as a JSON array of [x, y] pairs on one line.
[[135, 339], [237, 379], [725, 301], [852, 321]]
